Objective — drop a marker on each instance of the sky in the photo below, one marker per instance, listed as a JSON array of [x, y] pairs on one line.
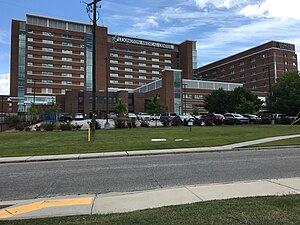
[[220, 27]]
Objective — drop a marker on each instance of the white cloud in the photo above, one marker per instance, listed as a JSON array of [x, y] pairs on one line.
[[219, 3], [150, 21], [4, 37], [4, 84], [287, 9]]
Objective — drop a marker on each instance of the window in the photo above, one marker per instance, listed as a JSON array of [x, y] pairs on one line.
[[113, 81], [142, 58], [155, 60], [67, 36], [81, 83], [66, 67], [128, 76], [81, 68], [81, 53], [66, 82], [142, 83], [30, 31], [29, 72], [47, 41], [67, 51], [114, 75], [66, 59], [167, 67], [142, 51], [242, 70], [82, 60], [167, 61], [128, 56], [142, 64], [242, 63], [29, 47], [232, 67], [47, 65], [29, 64], [81, 45], [128, 69], [48, 57], [30, 39], [114, 55], [189, 96], [29, 81], [81, 76], [128, 82], [253, 66], [113, 61], [29, 90], [128, 50], [113, 48], [47, 81], [189, 105], [155, 53], [66, 74], [155, 78], [63, 91], [47, 33], [167, 55], [155, 72], [142, 71], [155, 66], [47, 90], [67, 43], [286, 63], [114, 68], [294, 64], [198, 96], [142, 77], [47, 49], [128, 63], [47, 73], [29, 55]]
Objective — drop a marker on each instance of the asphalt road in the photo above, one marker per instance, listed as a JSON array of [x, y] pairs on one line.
[[44, 179]]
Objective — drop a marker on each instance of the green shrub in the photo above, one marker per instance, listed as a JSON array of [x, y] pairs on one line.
[[12, 121], [20, 126], [120, 122], [176, 121], [197, 122], [47, 126], [77, 126], [66, 126], [165, 123], [144, 124], [131, 123]]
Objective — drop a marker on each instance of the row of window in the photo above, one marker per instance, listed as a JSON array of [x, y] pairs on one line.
[[47, 73], [63, 43], [50, 34], [65, 51], [131, 76], [127, 82], [131, 70], [49, 65], [139, 58], [51, 82], [191, 96], [50, 57], [142, 51], [44, 91]]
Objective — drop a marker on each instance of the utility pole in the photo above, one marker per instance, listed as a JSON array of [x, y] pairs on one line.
[[184, 96], [91, 8], [106, 88]]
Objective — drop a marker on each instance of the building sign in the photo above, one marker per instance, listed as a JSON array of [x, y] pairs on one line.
[[285, 46], [142, 42]]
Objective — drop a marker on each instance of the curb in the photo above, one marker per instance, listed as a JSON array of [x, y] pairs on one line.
[[26, 159]]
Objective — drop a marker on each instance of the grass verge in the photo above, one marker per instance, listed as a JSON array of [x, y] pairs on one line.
[[75, 142], [258, 210], [287, 142]]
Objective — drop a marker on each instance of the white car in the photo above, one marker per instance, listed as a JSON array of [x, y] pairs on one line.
[[132, 116], [143, 116], [79, 116]]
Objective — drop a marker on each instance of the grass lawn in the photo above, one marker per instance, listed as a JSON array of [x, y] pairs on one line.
[[283, 210], [68, 142]]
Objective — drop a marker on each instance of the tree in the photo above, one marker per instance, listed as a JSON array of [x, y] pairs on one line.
[[121, 107], [153, 105], [240, 100], [216, 101], [34, 110], [286, 94]]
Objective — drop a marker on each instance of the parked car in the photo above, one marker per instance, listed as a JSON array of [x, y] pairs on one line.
[[143, 116], [252, 118], [79, 116], [186, 118], [64, 117], [155, 117], [213, 119], [132, 116], [234, 118], [167, 116], [280, 118]]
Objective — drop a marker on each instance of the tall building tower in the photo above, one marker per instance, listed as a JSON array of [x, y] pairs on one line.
[[50, 56]]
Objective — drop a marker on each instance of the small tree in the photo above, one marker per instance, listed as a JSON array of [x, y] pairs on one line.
[[34, 110], [153, 106], [195, 111], [121, 107]]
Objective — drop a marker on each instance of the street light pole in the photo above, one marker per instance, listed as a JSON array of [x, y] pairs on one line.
[[106, 88], [92, 8]]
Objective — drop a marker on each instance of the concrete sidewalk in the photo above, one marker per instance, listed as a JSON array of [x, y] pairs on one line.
[[144, 152], [126, 202]]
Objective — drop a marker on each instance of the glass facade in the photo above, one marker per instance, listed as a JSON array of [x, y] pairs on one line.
[[177, 91], [21, 67], [89, 63]]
